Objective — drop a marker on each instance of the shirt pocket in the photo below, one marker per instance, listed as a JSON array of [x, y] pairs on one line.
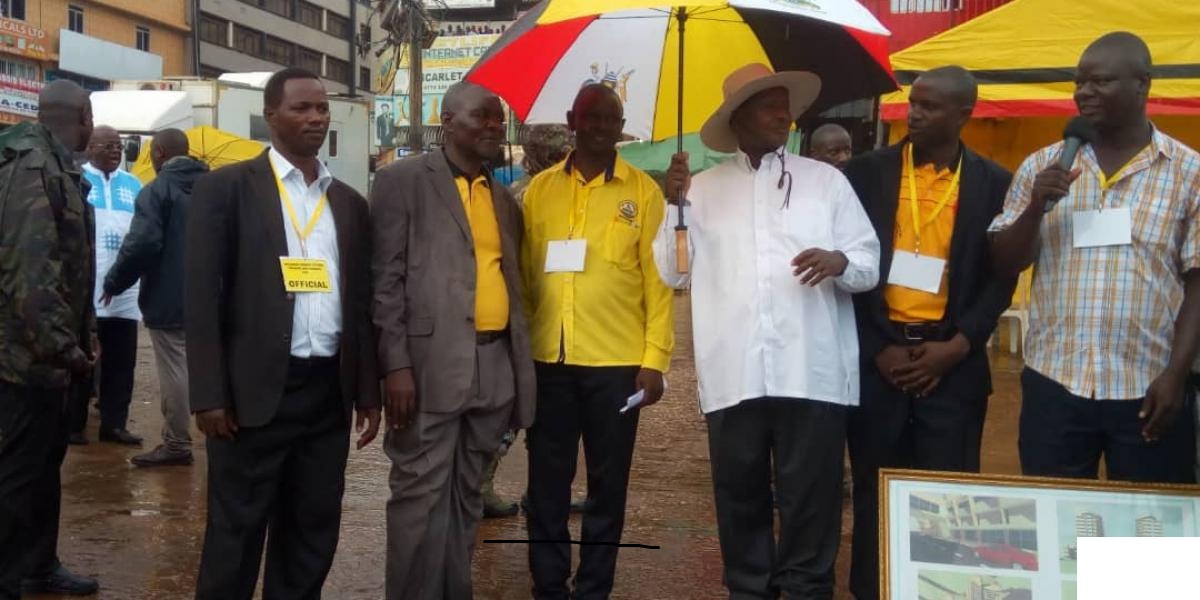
[[621, 244]]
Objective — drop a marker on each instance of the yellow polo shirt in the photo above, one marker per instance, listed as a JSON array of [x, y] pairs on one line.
[[907, 305], [491, 293], [617, 311]]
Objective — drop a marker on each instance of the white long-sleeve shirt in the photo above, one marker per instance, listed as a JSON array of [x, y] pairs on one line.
[[757, 331], [316, 316]]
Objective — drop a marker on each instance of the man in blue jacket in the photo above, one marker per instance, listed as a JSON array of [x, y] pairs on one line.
[[153, 251]]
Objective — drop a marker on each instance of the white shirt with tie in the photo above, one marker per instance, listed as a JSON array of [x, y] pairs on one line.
[[757, 331], [317, 316]]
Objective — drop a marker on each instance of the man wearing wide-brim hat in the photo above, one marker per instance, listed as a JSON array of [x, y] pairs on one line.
[[777, 244]]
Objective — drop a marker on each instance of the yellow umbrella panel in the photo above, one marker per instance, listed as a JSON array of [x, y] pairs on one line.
[[214, 147]]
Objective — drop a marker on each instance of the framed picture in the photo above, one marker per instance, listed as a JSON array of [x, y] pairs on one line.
[[955, 536]]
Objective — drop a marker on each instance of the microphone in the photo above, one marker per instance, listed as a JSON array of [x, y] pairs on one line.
[[1078, 132]]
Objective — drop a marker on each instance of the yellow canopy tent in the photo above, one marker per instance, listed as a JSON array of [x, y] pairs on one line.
[[214, 147], [1024, 55]]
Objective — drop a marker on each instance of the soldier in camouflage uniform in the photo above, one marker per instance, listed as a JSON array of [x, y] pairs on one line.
[[545, 146], [47, 324]]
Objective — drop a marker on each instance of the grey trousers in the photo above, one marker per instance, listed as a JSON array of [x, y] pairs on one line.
[[170, 355], [437, 468]]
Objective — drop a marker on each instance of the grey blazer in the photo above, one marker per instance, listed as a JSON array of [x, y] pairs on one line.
[[424, 273]]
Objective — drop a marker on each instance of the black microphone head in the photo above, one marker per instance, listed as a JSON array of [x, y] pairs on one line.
[[1082, 128]]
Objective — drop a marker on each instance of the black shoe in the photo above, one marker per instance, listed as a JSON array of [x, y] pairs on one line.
[[77, 439], [61, 581], [120, 436], [162, 457], [501, 510]]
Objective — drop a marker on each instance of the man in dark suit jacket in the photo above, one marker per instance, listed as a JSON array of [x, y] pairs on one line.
[[923, 332], [275, 369], [453, 342]]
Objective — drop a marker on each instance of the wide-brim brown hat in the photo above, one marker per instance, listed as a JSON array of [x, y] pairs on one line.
[[741, 85]]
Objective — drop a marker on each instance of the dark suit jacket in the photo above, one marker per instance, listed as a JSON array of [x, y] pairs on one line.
[[424, 269], [977, 295], [237, 316]]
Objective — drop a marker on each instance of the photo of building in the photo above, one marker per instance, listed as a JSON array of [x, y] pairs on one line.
[[940, 585], [1077, 519], [973, 530]]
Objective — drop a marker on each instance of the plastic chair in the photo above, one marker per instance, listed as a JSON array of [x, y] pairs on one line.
[[1018, 312]]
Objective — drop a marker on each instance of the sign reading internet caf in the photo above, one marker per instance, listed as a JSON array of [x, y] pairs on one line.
[[22, 39]]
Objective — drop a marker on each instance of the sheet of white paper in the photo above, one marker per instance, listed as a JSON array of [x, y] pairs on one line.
[[916, 272], [636, 400], [566, 256], [1108, 227]]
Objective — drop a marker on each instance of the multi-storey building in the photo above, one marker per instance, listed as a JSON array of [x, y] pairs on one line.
[[91, 42], [323, 36], [1089, 524]]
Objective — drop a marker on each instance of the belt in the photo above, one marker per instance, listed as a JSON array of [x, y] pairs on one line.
[[314, 362], [921, 332], [483, 338]]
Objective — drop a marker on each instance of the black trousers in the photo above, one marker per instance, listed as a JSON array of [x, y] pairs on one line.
[[286, 477], [892, 429], [798, 445], [82, 390], [33, 442], [1063, 435], [572, 402], [118, 359]]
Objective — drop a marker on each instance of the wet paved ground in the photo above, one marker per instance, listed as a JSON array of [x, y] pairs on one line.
[[140, 531]]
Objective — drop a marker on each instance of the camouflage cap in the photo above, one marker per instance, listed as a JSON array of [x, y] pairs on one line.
[[545, 145]]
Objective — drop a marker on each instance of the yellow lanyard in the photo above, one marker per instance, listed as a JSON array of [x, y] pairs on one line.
[[1108, 182], [302, 234], [915, 204]]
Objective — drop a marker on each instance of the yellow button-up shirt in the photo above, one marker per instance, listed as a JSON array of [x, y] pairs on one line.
[[617, 311], [491, 294]]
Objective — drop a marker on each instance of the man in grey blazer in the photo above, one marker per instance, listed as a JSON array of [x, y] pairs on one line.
[[453, 342]]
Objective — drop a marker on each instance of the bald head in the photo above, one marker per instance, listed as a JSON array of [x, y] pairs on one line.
[[956, 82], [1125, 50], [104, 149], [64, 108], [831, 144], [165, 145], [1112, 83], [472, 124]]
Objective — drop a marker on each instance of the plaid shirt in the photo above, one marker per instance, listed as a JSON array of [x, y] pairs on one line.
[[1101, 320]]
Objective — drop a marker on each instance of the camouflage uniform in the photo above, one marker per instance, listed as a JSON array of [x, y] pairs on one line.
[[545, 146], [46, 273], [46, 315]]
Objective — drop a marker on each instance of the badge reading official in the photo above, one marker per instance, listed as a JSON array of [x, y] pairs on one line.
[[305, 275]]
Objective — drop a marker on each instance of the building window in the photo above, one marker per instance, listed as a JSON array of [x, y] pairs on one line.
[[337, 70], [75, 18], [214, 30], [308, 59], [18, 69], [924, 6], [12, 9], [337, 25], [247, 41], [143, 39], [364, 78], [309, 14], [280, 51], [279, 7]]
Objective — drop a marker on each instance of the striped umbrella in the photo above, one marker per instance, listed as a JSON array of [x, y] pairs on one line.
[[540, 63], [668, 62]]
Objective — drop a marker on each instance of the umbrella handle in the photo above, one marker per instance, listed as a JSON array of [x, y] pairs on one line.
[[681, 249], [681, 246]]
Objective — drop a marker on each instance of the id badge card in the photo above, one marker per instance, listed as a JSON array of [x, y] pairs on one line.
[[1106, 227], [566, 256], [916, 272], [305, 275]]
